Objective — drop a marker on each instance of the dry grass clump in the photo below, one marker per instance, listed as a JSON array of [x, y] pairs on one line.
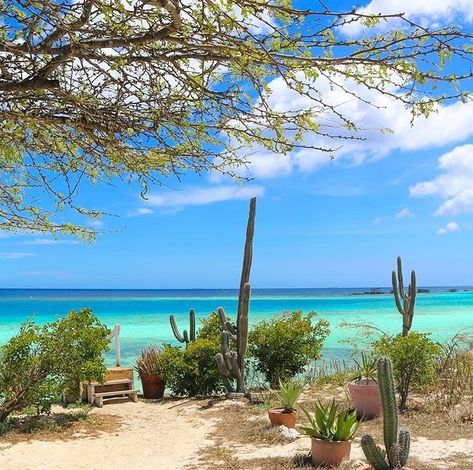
[[64, 425]]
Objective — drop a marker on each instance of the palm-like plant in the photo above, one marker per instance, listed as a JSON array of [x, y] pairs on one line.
[[288, 394], [329, 424], [149, 362], [367, 367]]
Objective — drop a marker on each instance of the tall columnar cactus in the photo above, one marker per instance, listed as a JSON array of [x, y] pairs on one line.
[[232, 364], [186, 337], [404, 302], [396, 442]]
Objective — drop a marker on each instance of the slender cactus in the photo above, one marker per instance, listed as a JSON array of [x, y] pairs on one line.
[[186, 337], [230, 363], [404, 302], [396, 442]]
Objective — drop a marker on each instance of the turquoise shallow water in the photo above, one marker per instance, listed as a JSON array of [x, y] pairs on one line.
[[143, 314]]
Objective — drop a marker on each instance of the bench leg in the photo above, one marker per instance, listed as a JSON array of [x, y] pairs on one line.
[[99, 401], [134, 397]]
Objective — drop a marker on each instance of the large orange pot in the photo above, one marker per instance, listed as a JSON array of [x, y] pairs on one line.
[[366, 398], [153, 386], [329, 454], [279, 418]]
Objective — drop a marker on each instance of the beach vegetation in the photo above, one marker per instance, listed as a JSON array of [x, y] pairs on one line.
[[284, 346], [414, 358], [40, 362], [192, 90], [192, 371]]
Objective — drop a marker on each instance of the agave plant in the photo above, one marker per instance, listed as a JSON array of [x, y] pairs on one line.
[[288, 394], [149, 362], [367, 367], [329, 424]]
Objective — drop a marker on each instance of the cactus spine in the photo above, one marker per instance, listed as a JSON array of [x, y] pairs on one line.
[[186, 337], [396, 442], [404, 302], [231, 364]]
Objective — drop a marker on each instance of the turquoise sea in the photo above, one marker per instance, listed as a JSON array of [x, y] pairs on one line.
[[143, 314]]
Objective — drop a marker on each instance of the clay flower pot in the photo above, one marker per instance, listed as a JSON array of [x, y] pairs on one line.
[[365, 398], [369, 467], [279, 418], [329, 454], [153, 386]]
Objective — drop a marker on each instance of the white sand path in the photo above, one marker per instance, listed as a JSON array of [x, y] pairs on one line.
[[164, 436]]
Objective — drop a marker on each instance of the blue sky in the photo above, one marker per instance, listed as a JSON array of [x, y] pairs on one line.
[[320, 223]]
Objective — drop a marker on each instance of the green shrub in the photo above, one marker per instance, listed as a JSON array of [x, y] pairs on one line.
[[192, 371], [284, 346], [414, 359], [40, 362]]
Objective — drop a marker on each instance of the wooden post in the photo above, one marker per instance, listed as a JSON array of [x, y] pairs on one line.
[[118, 359]]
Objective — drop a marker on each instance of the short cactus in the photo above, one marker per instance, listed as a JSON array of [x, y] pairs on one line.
[[396, 442], [404, 302], [186, 337]]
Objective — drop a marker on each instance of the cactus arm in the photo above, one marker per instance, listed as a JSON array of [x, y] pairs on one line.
[[400, 277], [192, 324], [222, 317], [373, 453], [404, 446], [175, 330], [222, 366], [397, 298]]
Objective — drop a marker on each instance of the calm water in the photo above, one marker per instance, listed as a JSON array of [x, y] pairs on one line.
[[143, 314]]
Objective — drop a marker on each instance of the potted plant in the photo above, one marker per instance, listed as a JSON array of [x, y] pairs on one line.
[[149, 368], [364, 388], [286, 414], [331, 432], [396, 441]]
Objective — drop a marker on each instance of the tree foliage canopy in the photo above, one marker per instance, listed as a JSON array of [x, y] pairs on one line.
[[144, 89]]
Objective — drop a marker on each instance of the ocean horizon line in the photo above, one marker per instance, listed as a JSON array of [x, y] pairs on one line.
[[161, 289]]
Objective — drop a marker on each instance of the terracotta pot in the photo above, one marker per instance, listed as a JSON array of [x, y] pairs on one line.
[[330, 454], [366, 398], [279, 418], [369, 467], [153, 386]]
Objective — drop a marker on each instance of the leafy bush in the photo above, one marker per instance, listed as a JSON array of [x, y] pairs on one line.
[[414, 359], [284, 346], [40, 362], [193, 371]]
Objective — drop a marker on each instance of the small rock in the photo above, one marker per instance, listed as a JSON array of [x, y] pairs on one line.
[[290, 434], [233, 404]]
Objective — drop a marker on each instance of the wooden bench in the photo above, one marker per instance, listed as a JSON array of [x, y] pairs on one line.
[[111, 390]]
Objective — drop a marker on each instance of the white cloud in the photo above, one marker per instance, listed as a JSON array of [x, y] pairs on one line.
[[140, 211], [48, 241], [454, 184], [403, 214], [428, 13], [196, 196], [15, 255], [449, 228], [450, 123]]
